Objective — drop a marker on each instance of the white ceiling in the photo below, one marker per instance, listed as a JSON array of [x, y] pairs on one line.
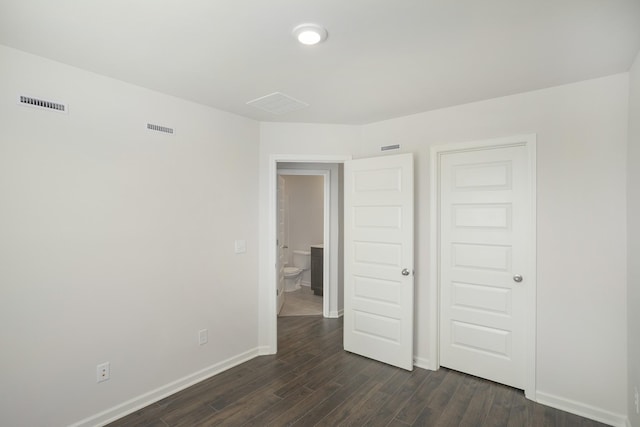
[[383, 58]]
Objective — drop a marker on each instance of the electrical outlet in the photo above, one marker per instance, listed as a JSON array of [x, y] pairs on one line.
[[637, 399], [203, 337], [103, 372]]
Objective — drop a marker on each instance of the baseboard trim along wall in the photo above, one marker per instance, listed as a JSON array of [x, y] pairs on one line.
[[265, 350], [153, 396], [556, 402], [581, 409], [422, 362]]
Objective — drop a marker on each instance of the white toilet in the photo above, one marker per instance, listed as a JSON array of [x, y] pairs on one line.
[[293, 275]]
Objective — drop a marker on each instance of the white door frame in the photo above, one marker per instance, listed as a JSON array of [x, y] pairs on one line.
[[326, 219], [529, 141], [271, 315]]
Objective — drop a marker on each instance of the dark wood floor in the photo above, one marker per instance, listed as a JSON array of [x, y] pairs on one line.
[[313, 382]]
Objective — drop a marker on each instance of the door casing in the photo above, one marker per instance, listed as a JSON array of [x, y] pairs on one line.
[[528, 141], [282, 239]]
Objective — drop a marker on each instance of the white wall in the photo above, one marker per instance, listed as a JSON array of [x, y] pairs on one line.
[[582, 132], [116, 243], [305, 201], [633, 241]]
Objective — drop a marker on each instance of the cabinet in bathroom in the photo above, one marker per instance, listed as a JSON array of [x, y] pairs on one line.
[[317, 255]]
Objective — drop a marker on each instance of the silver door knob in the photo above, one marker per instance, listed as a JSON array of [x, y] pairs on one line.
[[405, 272], [517, 278]]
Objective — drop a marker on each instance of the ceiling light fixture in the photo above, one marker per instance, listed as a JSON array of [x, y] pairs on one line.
[[310, 34]]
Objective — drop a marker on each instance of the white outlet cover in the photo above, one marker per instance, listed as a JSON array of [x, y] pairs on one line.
[[103, 372]]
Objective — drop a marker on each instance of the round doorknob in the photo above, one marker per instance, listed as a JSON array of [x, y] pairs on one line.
[[517, 278], [405, 272]]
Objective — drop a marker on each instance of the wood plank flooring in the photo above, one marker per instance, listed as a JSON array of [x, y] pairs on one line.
[[313, 382]]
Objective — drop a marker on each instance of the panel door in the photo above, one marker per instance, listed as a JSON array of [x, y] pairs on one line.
[[378, 240], [485, 215]]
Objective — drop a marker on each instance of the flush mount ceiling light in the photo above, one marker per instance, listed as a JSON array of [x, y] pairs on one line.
[[310, 34]]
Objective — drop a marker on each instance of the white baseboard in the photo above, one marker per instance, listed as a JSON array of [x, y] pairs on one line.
[[336, 314], [130, 406], [422, 362], [265, 350], [581, 409], [305, 284]]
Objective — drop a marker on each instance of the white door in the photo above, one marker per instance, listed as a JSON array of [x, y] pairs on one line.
[[485, 225], [282, 245], [378, 267]]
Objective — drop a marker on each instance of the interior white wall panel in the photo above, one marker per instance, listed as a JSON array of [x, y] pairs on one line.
[[116, 242]]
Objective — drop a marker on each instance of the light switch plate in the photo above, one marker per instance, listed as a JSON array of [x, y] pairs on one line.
[[241, 246], [203, 336]]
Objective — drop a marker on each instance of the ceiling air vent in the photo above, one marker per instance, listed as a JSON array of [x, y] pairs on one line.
[[41, 103], [278, 103], [159, 128]]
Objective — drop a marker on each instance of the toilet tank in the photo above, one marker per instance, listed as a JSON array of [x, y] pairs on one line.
[[302, 259]]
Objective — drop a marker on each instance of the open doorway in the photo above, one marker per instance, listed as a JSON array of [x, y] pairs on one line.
[[333, 265], [330, 238], [376, 228], [300, 228]]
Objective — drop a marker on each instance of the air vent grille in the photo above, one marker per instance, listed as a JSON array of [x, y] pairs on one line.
[[278, 103], [41, 103], [159, 128]]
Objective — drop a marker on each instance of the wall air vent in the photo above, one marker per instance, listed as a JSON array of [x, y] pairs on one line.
[[390, 147], [41, 103], [159, 128]]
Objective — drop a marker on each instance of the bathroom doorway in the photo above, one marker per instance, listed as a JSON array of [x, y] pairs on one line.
[[301, 197], [307, 239]]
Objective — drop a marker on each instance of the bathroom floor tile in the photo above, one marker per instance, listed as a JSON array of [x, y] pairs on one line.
[[301, 303]]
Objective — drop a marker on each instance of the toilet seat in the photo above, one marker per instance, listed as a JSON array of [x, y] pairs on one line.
[[291, 271]]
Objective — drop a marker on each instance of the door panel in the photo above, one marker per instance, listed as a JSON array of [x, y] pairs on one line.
[[378, 242], [485, 220]]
